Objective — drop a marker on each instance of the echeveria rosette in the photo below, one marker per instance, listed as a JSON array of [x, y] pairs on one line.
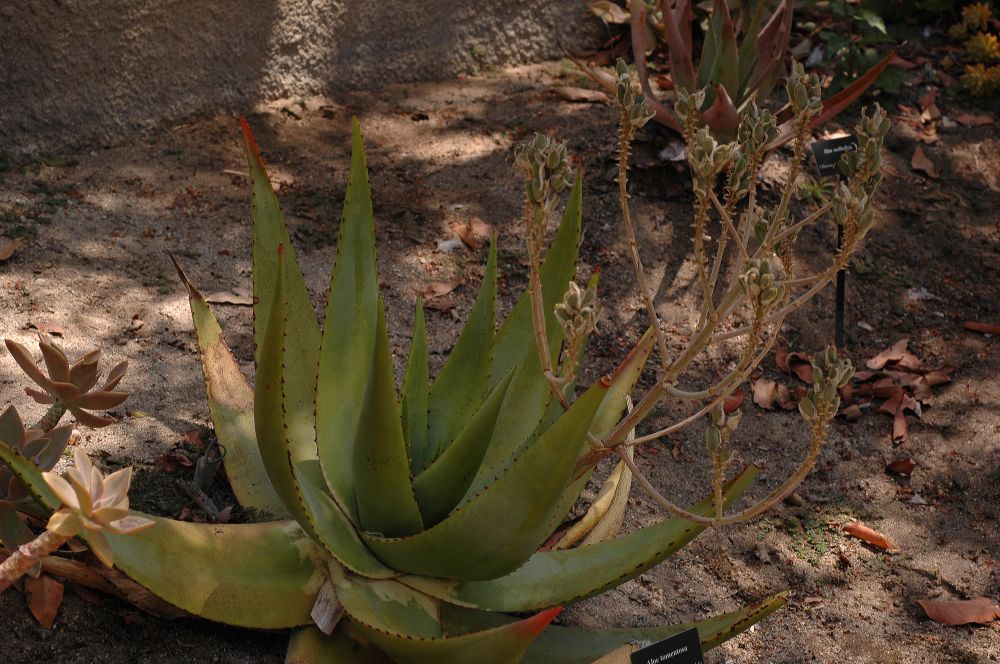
[[71, 385], [93, 504]]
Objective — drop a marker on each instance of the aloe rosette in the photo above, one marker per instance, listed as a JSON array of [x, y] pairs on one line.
[[407, 527]]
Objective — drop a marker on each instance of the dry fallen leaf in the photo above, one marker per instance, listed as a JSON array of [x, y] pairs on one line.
[[894, 354], [982, 328], [47, 328], [980, 610], [475, 233], [440, 288], [922, 163], [764, 390], [927, 99], [896, 405], [974, 120], [869, 536], [609, 12], [239, 296], [45, 596], [581, 95], [903, 467], [794, 363], [8, 246], [733, 401]]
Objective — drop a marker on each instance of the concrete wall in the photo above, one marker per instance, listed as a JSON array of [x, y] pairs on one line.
[[85, 72]]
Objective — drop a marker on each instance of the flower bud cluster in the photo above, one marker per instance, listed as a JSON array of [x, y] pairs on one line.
[[688, 104], [547, 172], [871, 131], [577, 313], [830, 373], [757, 129], [759, 283], [720, 430], [854, 211], [804, 92], [707, 157], [634, 104]]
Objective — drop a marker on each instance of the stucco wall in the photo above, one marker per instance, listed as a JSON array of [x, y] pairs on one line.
[[84, 72]]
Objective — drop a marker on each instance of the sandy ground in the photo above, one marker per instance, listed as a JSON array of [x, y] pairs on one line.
[[97, 227]]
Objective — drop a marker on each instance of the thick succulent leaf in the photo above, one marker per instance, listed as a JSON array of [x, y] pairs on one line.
[[772, 43], [332, 529], [643, 42], [748, 53], [275, 408], [382, 485], [405, 625], [495, 532], [24, 360], [442, 485], [30, 475], [13, 531], [574, 645], [349, 334], [415, 385], [12, 428], [837, 103], [621, 382], [311, 646], [561, 577], [720, 54], [230, 403], [722, 116], [604, 517], [464, 380], [388, 605], [506, 643], [270, 233], [261, 575], [677, 32], [516, 337], [514, 350]]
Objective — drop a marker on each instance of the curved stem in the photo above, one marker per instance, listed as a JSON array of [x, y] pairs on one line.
[[51, 417], [27, 555]]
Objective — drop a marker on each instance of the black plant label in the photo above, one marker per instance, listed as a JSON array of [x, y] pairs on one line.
[[683, 648], [828, 153]]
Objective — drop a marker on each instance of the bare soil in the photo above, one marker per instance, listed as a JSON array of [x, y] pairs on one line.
[[98, 225]]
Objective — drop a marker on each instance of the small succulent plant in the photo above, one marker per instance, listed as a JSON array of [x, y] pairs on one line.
[[68, 386], [90, 505]]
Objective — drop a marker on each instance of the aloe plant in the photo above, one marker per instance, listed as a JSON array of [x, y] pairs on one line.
[[407, 527], [741, 61]]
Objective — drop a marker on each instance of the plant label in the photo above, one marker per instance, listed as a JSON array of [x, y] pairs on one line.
[[683, 648], [828, 153]]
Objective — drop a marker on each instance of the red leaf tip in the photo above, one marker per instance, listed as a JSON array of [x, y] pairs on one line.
[[534, 625], [248, 137]]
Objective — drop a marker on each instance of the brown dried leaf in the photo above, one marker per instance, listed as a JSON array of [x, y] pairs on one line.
[[239, 296], [980, 610], [982, 328], [733, 401], [974, 120], [45, 596], [443, 304], [580, 95], [903, 467], [873, 537], [851, 412], [47, 328], [794, 363], [764, 391], [921, 162], [475, 233], [893, 354], [927, 99], [609, 12], [440, 288], [8, 246]]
